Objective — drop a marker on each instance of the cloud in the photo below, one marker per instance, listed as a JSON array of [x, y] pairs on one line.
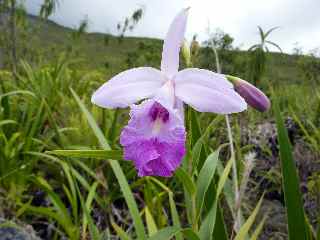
[[299, 21]]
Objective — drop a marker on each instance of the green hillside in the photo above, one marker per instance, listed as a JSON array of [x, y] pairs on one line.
[[106, 53]]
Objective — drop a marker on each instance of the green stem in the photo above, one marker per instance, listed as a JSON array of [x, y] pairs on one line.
[[237, 216]]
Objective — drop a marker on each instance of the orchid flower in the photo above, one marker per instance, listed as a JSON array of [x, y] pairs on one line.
[[155, 136]]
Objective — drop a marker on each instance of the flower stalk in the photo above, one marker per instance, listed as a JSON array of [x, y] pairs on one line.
[[237, 216]]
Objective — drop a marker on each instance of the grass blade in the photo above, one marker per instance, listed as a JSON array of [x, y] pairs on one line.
[[244, 230], [165, 233], [122, 234], [294, 205], [105, 154], [258, 230], [151, 225], [127, 193]]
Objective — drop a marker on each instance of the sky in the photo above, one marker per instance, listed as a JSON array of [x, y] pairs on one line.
[[298, 20]]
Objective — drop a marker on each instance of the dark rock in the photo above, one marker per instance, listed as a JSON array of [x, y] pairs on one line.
[[266, 175], [11, 231]]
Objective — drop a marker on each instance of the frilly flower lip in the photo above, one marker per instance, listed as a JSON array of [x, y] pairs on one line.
[[252, 95], [154, 138]]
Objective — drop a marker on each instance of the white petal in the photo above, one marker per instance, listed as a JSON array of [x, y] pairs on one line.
[[129, 87], [206, 91], [172, 44], [165, 95]]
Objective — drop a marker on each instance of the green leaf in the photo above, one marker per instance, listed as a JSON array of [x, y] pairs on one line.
[[205, 178], [220, 228], [185, 179], [125, 188], [105, 154], [224, 177], [270, 31], [94, 232], [244, 230], [197, 149], [208, 224], [54, 198], [196, 153], [151, 225], [5, 122], [175, 216], [262, 35], [122, 234], [189, 234], [194, 126], [48, 212], [88, 204], [275, 45], [258, 230], [165, 233], [294, 205], [18, 92]]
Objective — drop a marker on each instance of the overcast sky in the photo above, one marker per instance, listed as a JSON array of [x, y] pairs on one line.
[[299, 20]]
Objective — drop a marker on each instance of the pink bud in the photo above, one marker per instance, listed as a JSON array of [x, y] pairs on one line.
[[252, 95]]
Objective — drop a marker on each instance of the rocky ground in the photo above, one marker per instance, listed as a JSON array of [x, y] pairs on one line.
[[13, 231], [266, 176]]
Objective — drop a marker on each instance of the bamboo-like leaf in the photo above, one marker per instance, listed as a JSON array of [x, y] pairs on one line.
[[104, 154], [209, 221], [262, 35], [194, 126], [127, 193], [186, 180], [198, 147], [293, 199], [275, 45], [151, 225], [205, 178], [270, 31], [175, 216], [254, 47]]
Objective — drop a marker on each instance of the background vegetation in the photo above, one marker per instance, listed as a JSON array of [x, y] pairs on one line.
[[48, 73]]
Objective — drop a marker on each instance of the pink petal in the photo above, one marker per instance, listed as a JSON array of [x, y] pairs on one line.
[[129, 87], [154, 139], [207, 91], [172, 44]]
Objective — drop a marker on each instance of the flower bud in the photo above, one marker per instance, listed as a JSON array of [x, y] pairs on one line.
[[186, 53], [195, 47], [252, 95]]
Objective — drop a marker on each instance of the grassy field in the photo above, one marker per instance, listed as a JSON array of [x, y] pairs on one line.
[[62, 174]]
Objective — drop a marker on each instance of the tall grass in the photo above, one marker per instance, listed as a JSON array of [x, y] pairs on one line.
[[53, 141]]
